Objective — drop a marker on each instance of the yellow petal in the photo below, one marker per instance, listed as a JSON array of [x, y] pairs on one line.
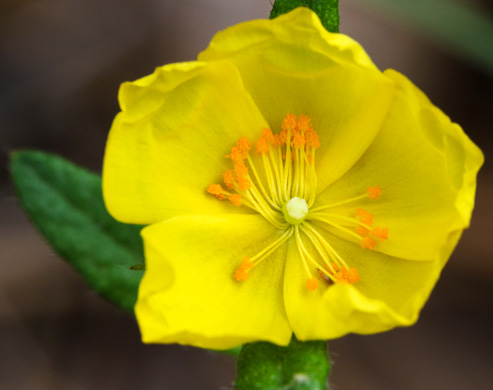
[[188, 294], [293, 65], [390, 293], [170, 140], [426, 168]]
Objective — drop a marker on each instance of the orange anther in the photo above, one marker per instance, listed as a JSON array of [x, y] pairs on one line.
[[247, 263], [362, 231], [239, 151], [262, 146], [241, 275], [237, 154], [352, 275], [264, 142], [311, 138], [365, 217], [346, 275], [242, 272], [240, 169], [229, 178], [289, 122], [267, 135], [368, 242], [216, 190], [374, 192], [243, 183], [235, 199], [312, 284], [304, 124], [244, 144], [382, 233], [277, 141], [298, 140]]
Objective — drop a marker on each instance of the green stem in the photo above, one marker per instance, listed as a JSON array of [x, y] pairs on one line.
[[299, 366], [327, 10]]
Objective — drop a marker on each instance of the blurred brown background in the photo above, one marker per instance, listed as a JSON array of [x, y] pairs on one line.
[[61, 63]]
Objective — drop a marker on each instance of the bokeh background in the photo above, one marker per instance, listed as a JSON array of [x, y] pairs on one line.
[[61, 63]]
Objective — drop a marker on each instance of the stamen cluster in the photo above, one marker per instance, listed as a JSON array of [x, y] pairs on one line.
[[288, 161]]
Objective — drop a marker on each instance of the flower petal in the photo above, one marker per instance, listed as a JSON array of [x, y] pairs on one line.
[[293, 65], [426, 168], [188, 294], [170, 140], [390, 293]]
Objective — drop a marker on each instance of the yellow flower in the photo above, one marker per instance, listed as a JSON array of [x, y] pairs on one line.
[[290, 186]]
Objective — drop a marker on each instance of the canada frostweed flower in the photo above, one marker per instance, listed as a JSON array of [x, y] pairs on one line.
[[289, 185]]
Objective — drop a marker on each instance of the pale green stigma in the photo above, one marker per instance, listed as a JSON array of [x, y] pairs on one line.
[[295, 211]]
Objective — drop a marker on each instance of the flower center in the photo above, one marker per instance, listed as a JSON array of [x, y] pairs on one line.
[[284, 193], [295, 211]]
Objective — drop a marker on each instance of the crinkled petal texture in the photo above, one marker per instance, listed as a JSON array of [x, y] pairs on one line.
[[188, 294], [376, 129], [390, 293], [169, 141], [293, 65], [426, 167]]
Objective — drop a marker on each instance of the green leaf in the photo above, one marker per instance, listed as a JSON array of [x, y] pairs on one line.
[[65, 203], [327, 10], [299, 366]]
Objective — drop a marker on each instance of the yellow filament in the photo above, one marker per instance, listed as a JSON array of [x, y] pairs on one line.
[[297, 174], [264, 253], [307, 174], [323, 252], [306, 255], [302, 251], [287, 166], [313, 179], [356, 198], [264, 192], [265, 211], [282, 192], [336, 225], [270, 179], [275, 166], [349, 219], [325, 244], [301, 176]]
